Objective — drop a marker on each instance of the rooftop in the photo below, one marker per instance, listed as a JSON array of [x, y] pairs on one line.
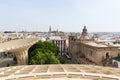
[[59, 72], [91, 43], [55, 38]]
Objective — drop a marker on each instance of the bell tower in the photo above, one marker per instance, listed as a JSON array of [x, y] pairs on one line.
[[84, 31], [84, 34]]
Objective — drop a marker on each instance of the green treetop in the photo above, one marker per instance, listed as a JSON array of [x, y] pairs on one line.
[[43, 53]]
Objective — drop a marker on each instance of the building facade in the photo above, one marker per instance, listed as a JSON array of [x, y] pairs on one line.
[[59, 42], [61, 45], [86, 50]]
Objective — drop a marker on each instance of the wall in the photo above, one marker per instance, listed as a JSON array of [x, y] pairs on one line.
[[95, 54], [101, 53]]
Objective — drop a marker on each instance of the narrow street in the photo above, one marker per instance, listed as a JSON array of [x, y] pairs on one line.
[[69, 61]]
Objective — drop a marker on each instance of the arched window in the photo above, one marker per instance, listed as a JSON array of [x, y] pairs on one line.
[[107, 55]]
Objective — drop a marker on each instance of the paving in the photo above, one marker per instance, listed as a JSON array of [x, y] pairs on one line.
[[59, 72]]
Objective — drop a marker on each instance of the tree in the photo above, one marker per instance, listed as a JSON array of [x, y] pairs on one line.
[[45, 46], [43, 53], [38, 58], [51, 58]]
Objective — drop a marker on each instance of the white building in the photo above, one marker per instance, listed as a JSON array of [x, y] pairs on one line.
[[61, 43]]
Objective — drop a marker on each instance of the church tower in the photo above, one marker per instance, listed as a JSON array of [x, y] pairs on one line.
[[84, 31], [84, 34]]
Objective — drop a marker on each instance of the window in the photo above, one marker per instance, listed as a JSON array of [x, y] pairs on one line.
[[107, 55]]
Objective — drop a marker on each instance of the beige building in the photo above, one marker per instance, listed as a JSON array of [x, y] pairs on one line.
[[86, 50]]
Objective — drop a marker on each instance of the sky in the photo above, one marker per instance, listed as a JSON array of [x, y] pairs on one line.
[[63, 15]]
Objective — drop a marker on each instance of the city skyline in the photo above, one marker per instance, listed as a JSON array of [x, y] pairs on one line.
[[64, 15]]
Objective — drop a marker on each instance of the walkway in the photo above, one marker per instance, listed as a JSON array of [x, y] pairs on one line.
[[58, 72]]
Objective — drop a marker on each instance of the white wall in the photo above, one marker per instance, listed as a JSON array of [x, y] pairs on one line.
[[117, 63]]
